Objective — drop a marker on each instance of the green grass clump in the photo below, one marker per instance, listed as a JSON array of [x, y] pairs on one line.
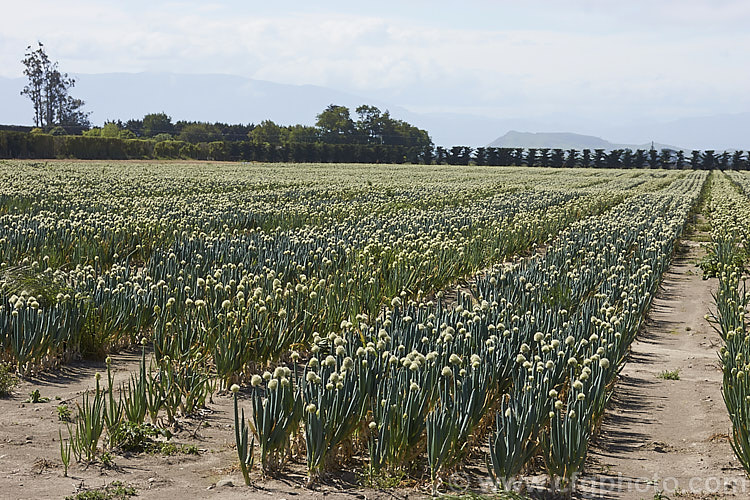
[[670, 374], [8, 381], [36, 397], [116, 490]]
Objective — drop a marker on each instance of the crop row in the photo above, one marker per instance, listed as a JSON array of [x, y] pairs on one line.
[[528, 357], [729, 211], [86, 275]]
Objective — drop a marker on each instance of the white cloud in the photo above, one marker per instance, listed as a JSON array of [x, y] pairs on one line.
[[589, 57]]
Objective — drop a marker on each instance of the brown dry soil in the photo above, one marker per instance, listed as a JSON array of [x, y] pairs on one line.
[[657, 435], [31, 468]]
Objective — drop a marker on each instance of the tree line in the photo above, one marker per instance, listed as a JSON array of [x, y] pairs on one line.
[[334, 125], [596, 158], [14, 144]]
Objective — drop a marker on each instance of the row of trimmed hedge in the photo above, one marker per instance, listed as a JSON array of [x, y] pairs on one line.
[[43, 146], [15, 144]]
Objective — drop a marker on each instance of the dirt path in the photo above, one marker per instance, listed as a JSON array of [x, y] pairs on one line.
[[669, 435]]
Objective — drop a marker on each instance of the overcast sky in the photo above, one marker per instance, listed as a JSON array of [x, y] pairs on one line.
[[603, 59]]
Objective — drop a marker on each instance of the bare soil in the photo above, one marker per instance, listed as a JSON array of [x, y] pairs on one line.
[[31, 468]]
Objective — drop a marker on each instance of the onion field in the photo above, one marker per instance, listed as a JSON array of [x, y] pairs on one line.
[[403, 321]]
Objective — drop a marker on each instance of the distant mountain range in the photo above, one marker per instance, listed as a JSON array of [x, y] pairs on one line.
[[236, 99], [565, 140]]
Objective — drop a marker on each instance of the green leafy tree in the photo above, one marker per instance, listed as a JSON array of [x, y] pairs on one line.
[[369, 125], [441, 155], [653, 158], [586, 158], [709, 159], [481, 156], [627, 158], [639, 159], [135, 125], [336, 125], [738, 161], [198, 132], [110, 129], [531, 157], [301, 134], [157, 123], [162, 137], [557, 158], [599, 158], [571, 160], [665, 158], [36, 63], [269, 133], [679, 161], [695, 159], [48, 90], [543, 157], [614, 158], [722, 160], [517, 157]]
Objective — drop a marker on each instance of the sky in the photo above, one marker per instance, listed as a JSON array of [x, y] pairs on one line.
[[607, 61]]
